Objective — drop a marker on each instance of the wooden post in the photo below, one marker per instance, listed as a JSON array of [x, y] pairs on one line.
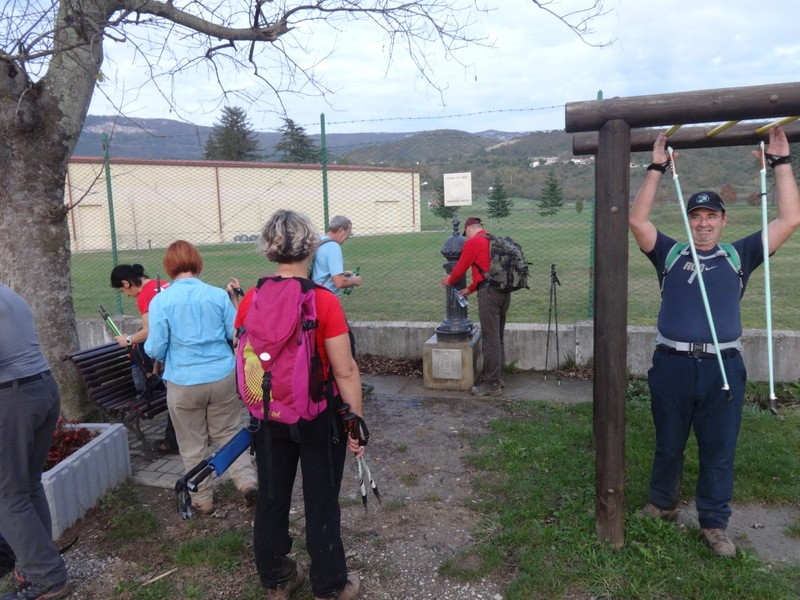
[[612, 182]]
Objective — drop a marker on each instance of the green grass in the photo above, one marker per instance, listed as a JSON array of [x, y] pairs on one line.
[[130, 519], [223, 552], [537, 485], [402, 271]]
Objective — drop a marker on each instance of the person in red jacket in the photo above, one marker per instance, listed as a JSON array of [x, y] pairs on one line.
[[132, 281], [492, 305]]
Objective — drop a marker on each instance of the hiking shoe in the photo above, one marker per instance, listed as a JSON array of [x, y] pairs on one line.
[[367, 388], [487, 389], [38, 591], [164, 447], [284, 590], [651, 511], [719, 541], [203, 509], [350, 591], [250, 495]]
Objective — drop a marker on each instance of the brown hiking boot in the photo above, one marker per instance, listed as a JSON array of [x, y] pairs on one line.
[[719, 541], [284, 591], [651, 511], [350, 591]]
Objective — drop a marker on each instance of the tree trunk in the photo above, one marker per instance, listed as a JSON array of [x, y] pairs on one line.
[[39, 126], [35, 260]]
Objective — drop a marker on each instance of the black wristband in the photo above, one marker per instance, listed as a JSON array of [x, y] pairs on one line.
[[660, 167], [773, 160]]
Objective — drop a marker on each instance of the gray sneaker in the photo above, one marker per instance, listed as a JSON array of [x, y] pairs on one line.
[[487, 389], [719, 541], [38, 591], [651, 511]]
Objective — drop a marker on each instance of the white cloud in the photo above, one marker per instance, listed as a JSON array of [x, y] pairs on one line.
[[662, 47]]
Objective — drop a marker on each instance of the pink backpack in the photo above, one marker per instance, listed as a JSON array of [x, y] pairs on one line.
[[277, 359]]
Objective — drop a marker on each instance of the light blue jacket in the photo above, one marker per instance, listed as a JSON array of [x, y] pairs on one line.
[[191, 324]]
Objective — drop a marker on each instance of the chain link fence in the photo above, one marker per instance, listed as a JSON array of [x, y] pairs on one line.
[[128, 211]]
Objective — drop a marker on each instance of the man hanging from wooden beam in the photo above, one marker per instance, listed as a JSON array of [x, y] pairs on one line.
[[686, 381]]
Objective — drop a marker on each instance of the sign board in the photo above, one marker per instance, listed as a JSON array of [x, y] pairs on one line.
[[458, 189]]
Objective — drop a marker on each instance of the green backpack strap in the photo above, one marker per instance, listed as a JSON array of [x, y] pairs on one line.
[[679, 248]]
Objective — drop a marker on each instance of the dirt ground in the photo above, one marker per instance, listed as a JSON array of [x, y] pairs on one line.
[[417, 457], [417, 460]]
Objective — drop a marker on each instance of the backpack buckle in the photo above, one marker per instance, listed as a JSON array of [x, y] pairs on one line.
[[697, 350]]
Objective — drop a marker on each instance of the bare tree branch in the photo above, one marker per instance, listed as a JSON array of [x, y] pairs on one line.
[[578, 21]]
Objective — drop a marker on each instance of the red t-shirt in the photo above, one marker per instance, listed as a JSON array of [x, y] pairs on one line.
[[149, 291], [476, 251], [332, 322]]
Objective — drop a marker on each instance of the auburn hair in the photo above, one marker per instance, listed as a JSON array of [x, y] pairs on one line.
[[182, 257]]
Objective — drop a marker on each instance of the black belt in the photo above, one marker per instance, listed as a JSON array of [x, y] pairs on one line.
[[481, 285], [24, 380], [727, 353]]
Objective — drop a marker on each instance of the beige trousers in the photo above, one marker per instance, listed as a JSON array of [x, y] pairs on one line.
[[205, 414]]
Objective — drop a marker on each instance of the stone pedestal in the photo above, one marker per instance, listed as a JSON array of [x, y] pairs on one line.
[[455, 365]]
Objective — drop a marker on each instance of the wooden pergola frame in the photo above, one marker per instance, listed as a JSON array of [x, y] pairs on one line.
[[604, 128]]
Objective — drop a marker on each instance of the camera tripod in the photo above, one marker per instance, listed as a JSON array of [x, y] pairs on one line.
[[554, 283]]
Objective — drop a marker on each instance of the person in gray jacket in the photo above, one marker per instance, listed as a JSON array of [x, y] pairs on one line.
[[29, 410]]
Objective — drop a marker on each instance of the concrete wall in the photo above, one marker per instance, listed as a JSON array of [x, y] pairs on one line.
[[527, 344]]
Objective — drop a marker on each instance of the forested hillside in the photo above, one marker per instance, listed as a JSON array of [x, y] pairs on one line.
[[521, 160]]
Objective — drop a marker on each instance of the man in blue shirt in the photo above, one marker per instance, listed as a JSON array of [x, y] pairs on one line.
[[328, 268], [686, 385]]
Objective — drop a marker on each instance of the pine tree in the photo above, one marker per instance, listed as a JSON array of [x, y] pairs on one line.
[[498, 204], [295, 145], [552, 196], [233, 138]]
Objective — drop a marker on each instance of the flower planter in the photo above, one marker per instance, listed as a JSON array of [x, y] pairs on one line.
[[76, 484]]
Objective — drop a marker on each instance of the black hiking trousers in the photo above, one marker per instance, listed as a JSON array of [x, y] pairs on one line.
[[322, 466]]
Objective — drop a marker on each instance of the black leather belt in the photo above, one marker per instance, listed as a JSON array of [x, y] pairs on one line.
[[481, 285], [23, 380], [727, 353]]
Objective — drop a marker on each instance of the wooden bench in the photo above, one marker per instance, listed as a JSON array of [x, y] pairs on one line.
[[107, 373]]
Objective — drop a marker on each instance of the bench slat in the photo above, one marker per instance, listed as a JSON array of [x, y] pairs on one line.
[[106, 371]]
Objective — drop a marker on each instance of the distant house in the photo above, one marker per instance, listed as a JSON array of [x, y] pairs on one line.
[[545, 161], [154, 202]]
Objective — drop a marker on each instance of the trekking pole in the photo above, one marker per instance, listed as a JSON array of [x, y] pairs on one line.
[[112, 327], [773, 400], [554, 282], [219, 462], [699, 272], [356, 428]]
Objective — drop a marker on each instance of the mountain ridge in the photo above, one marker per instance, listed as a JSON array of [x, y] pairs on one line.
[[521, 160]]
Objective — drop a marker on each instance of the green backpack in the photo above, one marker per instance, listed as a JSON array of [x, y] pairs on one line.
[[508, 269]]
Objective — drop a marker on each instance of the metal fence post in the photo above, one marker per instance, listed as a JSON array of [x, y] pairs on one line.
[[323, 156], [113, 230]]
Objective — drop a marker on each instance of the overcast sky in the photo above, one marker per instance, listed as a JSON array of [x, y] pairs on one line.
[[536, 66]]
